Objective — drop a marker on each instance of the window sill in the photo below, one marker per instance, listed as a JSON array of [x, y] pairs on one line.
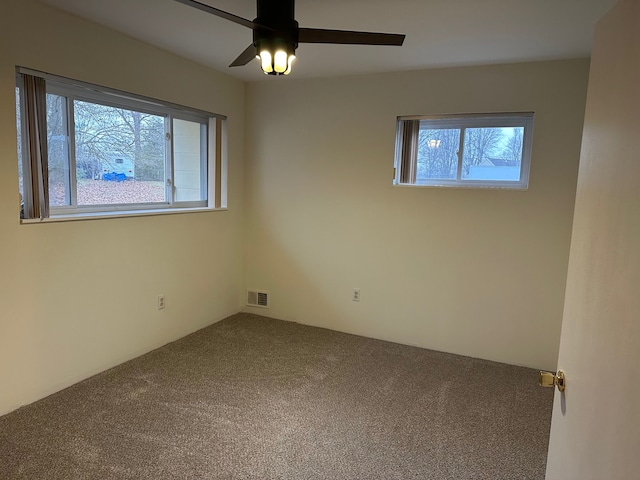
[[119, 214], [469, 186]]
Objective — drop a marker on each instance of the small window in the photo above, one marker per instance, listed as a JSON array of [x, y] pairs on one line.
[[112, 152], [490, 150]]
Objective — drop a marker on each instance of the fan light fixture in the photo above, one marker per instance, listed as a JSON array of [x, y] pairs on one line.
[[276, 59]]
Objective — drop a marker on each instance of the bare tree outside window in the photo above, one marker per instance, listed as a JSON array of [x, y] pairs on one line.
[[104, 133], [480, 144], [58, 149], [438, 153], [513, 151]]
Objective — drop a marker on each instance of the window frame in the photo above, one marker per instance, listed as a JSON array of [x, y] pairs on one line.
[[462, 122], [213, 150]]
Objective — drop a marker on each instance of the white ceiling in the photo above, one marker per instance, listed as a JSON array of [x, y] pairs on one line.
[[439, 32]]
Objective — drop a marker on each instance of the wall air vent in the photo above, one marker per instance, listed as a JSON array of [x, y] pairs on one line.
[[258, 298]]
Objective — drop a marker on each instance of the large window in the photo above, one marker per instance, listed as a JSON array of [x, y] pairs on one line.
[[106, 151], [491, 150]]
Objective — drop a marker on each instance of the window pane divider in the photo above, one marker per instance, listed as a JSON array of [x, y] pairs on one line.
[[204, 166], [169, 178], [218, 165]]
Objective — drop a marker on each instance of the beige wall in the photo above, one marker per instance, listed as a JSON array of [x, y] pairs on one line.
[[79, 297], [475, 272]]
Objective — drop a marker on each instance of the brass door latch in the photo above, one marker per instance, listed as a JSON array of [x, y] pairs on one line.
[[549, 380]]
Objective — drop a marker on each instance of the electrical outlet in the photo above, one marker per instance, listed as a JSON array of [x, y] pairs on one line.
[[356, 295], [161, 302]]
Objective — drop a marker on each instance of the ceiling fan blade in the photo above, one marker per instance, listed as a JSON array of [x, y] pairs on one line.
[[219, 13], [245, 57], [318, 35]]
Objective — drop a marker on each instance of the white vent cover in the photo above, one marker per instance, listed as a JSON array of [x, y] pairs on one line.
[[257, 298]]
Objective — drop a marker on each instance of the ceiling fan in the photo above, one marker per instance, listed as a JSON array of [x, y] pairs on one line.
[[276, 35]]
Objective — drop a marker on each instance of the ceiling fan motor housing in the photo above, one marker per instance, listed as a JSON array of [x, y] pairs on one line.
[[282, 29]]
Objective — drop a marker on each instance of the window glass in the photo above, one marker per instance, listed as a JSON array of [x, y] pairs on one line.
[[484, 150], [120, 155], [189, 141], [58, 150], [438, 153], [492, 153]]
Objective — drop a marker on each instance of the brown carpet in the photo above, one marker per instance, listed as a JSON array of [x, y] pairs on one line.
[[255, 398]]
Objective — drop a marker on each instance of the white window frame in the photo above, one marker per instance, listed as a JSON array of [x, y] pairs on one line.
[[213, 150], [462, 122]]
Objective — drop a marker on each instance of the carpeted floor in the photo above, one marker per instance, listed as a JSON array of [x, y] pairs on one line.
[[255, 398]]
